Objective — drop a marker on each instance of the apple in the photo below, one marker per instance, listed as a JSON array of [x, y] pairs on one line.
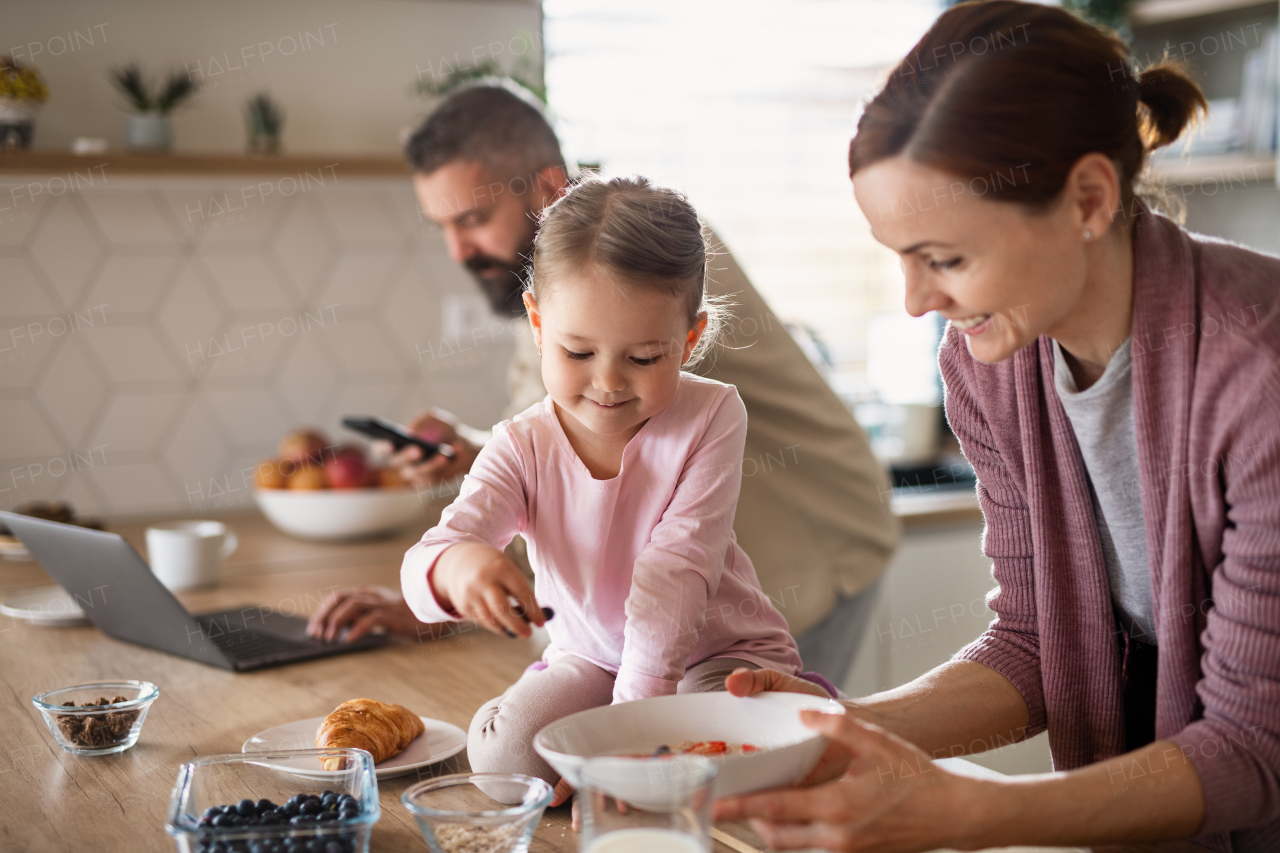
[[346, 468], [308, 477], [304, 445], [268, 474]]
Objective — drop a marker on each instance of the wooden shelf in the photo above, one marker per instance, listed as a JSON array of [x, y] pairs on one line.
[[1245, 169], [1161, 11], [200, 165]]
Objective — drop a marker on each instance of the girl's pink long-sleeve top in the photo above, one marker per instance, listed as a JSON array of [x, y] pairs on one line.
[[643, 570]]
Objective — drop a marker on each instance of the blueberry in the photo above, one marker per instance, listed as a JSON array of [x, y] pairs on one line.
[[212, 811], [314, 845], [215, 847], [245, 807], [265, 805], [328, 816], [222, 820], [269, 819], [291, 808], [349, 814], [328, 798], [335, 846], [310, 807], [257, 847], [276, 848], [296, 800], [298, 820]]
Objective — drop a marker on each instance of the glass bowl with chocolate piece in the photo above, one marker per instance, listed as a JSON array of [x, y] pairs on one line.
[[97, 719]]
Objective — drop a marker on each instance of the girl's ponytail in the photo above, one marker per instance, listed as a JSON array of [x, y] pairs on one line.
[[642, 234]]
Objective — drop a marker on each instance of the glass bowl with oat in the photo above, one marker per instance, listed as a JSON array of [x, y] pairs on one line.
[[101, 718], [478, 812]]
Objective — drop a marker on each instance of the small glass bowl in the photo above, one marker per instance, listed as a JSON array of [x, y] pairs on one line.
[[219, 783], [496, 812], [100, 730]]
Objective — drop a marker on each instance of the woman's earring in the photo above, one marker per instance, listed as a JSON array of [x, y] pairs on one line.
[[1088, 235], [539, 350]]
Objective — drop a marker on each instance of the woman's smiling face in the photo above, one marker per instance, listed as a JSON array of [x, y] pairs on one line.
[[1001, 274]]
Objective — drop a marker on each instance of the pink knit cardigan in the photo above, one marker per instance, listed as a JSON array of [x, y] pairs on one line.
[[1206, 397]]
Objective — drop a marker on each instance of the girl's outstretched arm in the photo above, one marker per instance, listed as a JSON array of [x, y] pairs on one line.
[[464, 549]]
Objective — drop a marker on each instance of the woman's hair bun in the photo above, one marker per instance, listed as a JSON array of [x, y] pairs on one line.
[[1170, 102]]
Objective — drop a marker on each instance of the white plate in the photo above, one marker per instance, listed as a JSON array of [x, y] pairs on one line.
[[13, 549], [441, 740], [47, 605]]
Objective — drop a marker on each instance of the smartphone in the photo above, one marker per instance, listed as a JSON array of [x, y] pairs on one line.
[[399, 436]]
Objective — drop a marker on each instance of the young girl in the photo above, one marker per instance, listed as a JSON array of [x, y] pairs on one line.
[[623, 481]]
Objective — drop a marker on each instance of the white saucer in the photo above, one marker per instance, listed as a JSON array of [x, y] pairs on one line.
[[52, 606], [441, 740]]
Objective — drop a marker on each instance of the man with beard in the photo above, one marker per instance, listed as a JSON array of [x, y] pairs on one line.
[[813, 513]]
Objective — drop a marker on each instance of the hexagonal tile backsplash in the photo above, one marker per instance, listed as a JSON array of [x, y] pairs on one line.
[[154, 343]]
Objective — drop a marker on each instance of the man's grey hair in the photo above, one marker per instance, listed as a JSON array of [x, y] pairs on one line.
[[496, 122]]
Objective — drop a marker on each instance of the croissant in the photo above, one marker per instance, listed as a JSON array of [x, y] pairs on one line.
[[382, 728]]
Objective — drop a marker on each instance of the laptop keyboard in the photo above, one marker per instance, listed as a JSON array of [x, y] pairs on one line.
[[242, 645]]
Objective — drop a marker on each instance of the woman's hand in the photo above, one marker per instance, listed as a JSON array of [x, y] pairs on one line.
[[892, 798], [478, 582], [749, 682], [362, 610]]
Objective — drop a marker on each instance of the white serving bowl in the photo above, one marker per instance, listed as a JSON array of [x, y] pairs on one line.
[[340, 513], [771, 721]]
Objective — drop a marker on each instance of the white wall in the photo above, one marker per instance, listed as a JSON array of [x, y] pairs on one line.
[[151, 351], [346, 85]]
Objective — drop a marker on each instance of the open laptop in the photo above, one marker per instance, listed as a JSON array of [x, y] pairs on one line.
[[119, 594]]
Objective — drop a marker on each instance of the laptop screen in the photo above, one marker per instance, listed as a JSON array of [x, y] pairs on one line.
[[114, 586]]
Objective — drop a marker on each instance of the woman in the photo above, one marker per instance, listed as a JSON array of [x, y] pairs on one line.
[[1115, 383]]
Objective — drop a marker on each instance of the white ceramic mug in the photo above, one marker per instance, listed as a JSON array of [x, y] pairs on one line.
[[187, 554]]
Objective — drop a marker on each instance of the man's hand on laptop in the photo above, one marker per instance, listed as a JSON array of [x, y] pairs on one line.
[[436, 427], [362, 610]]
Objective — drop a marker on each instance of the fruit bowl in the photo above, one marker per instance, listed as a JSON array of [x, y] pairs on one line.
[[787, 749], [340, 513]]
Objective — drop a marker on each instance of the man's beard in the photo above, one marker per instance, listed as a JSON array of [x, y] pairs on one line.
[[503, 281]]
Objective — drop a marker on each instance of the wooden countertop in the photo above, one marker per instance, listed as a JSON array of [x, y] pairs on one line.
[[113, 163], [932, 507], [56, 801]]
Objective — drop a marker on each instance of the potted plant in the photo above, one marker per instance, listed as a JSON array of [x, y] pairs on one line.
[[149, 127], [22, 93], [264, 118]]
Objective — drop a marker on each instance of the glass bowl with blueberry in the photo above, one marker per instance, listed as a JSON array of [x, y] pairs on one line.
[[259, 802], [101, 718]]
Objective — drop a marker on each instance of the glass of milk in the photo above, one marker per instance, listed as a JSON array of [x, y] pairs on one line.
[[647, 805]]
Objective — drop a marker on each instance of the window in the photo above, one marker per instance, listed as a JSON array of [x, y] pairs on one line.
[[748, 106]]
